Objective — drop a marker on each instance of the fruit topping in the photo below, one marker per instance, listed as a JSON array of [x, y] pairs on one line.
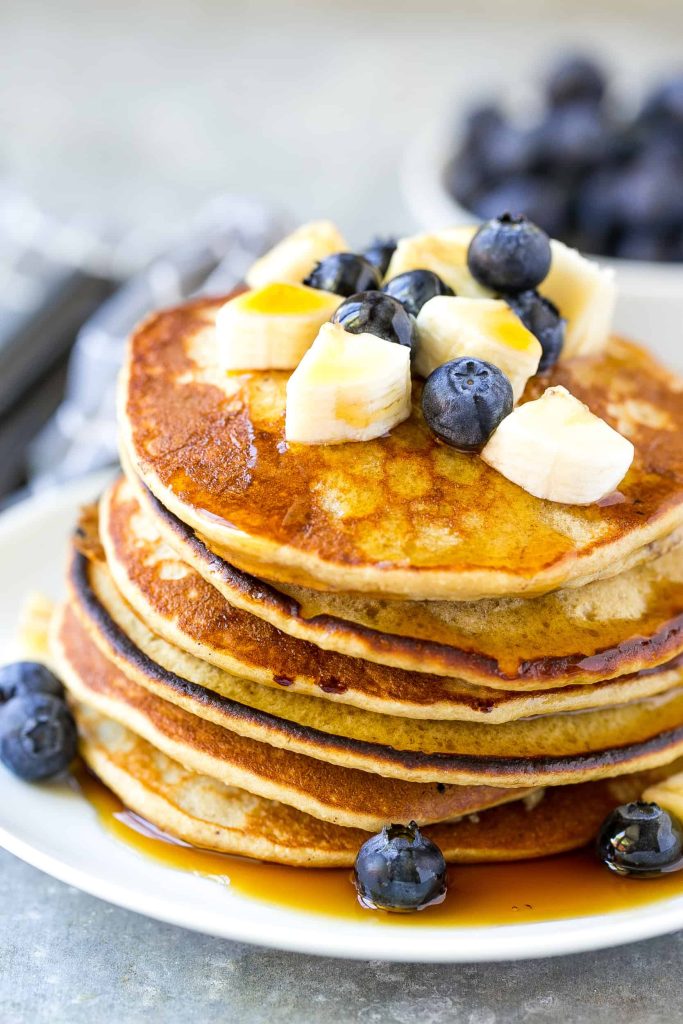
[[37, 736], [509, 254], [576, 79], [400, 870], [27, 677], [345, 273], [585, 295], [451, 326], [444, 252], [347, 387], [296, 255], [540, 316], [555, 448], [380, 253], [271, 327], [415, 287], [463, 402], [641, 840], [379, 314]]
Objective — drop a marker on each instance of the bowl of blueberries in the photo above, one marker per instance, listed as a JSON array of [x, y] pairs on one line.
[[602, 173]]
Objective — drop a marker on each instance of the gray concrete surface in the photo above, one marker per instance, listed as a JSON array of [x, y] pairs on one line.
[[67, 957], [138, 111]]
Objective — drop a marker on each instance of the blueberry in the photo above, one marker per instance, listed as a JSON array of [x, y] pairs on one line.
[[543, 202], [648, 195], [416, 287], [27, 677], [664, 106], [541, 317], [376, 313], [37, 736], [344, 273], [575, 78], [643, 244], [509, 254], [641, 840], [571, 139], [482, 123], [464, 401], [380, 253], [400, 870]]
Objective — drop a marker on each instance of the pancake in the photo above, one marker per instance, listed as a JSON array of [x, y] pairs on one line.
[[188, 610], [208, 814], [401, 515], [340, 795], [547, 750]]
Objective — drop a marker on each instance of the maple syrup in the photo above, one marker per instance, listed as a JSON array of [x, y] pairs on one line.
[[551, 888]]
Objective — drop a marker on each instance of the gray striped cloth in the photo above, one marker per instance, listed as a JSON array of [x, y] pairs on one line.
[[207, 256]]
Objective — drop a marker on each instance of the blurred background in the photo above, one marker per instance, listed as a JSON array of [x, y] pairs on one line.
[[200, 131]]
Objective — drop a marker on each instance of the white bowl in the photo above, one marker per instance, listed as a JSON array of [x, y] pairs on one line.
[[650, 303]]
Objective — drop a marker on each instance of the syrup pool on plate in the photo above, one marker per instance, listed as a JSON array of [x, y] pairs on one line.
[[550, 888]]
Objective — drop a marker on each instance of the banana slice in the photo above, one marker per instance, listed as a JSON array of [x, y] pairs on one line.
[[348, 387], [294, 257], [443, 252], [271, 328], [555, 448], [585, 294], [668, 794], [450, 326]]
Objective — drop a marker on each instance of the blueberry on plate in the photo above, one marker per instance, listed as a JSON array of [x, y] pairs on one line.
[[641, 840], [416, 287], [576, 78], [509, 254], [464, 401], [380, 253], [400, 870], [27, 677], [37, 736], [344, 273], [541, 317], [376, 313]]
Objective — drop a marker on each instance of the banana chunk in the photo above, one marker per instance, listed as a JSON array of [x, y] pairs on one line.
[[444, 253], [585, 294], [450, 327], [294, 257], [348, 387], [271, 328], [668, 794], [557, 449]]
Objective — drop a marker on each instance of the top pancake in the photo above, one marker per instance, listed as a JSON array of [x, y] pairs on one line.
[[401, 515]]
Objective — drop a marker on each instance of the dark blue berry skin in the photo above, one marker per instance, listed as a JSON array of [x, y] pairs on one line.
[[416, 287], [464, 401], [576, 78], [571, 140], [379, 254], [641, 840], [542, 201], [400, 870], [509, 254], [541, 317], [37, 736], [344, 273], [27, 677], [376, 313]]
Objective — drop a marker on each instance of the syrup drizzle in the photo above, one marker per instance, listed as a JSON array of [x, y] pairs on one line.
[[551, 888]]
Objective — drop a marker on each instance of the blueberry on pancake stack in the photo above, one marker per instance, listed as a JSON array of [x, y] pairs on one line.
[[398, 540]]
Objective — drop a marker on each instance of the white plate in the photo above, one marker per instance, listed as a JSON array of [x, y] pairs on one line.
[[57, 831]]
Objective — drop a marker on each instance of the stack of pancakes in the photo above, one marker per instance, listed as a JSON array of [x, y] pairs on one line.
[[274, 650]]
